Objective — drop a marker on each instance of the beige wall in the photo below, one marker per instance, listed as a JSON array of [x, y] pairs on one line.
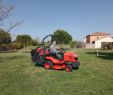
[[89, 45], [98, 42], [91, 38]]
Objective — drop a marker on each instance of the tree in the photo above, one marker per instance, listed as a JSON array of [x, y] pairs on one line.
[[62, 37], [73, 44], [5, 12], [35, 42], [76, 44], [80, 44], [5, 37], [24, 40]]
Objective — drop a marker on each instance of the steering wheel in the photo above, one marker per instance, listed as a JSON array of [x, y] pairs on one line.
[[62, 50]]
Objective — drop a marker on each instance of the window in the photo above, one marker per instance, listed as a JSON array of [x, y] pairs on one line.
[[93, 42]]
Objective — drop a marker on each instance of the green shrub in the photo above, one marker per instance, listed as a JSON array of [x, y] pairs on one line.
[[16, 45], [73, 44], [4, 47], [35, 42], [107, 46], [5, 37], [79, 44]]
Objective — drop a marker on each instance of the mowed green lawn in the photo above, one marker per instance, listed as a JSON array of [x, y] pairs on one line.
[[18, 76]]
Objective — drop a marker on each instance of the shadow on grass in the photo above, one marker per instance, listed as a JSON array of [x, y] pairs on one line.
[[10, 58], [10, 51], [103, 55]]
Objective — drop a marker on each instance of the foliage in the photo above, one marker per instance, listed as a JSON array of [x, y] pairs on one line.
[[73, 44], [35, 42], [3, 47], [62, 37], [5, 12], [79, 44], [11, 46], [24, 40], [16, 45], [107, 46], [5, 37]]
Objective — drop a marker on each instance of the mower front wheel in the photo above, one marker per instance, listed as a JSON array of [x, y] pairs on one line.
[[68, 68], [75, 68], [48, 65]]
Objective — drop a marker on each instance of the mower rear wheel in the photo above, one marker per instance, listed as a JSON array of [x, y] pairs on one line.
[[75, 68], [48, 65], [68, 68]]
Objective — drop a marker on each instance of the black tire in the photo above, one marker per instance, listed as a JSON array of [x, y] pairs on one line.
[[68, 68], [75, 68]]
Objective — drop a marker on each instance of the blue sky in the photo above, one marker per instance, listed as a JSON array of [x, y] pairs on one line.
[[78, 17]]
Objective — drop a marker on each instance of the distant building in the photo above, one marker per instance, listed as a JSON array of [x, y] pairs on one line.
[[95, 40]]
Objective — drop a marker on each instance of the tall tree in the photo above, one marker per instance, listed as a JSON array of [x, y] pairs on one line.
[[5, 37], [62, 37], [73, 44], [25, 40], [5, 12]]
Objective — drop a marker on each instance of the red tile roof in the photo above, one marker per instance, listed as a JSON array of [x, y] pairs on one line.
[[99, 34]]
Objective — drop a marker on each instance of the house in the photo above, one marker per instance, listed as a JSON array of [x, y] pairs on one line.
[[95, 40]]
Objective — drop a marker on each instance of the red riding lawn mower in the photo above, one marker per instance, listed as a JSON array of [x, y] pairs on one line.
[[41, 56]]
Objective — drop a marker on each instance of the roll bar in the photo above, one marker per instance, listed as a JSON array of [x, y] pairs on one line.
[[46, 37]]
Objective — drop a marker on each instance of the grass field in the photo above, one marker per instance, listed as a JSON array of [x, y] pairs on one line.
[[18, 76]]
